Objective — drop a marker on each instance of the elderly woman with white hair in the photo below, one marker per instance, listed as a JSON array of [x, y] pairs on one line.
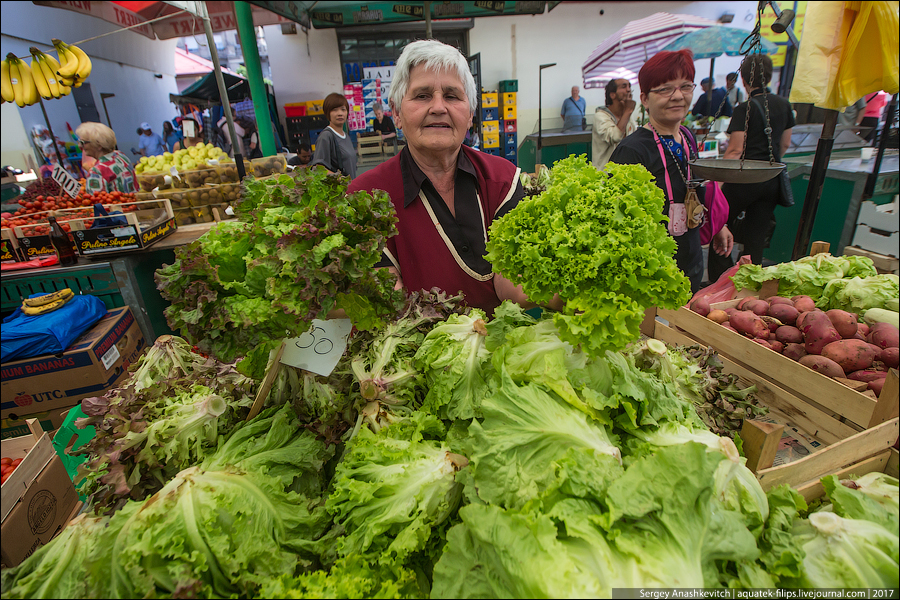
[[446, 195], [113, 171]]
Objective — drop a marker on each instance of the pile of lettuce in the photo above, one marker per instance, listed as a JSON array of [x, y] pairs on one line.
[[859, 294], [598, 239], [302, 246], [168, 416], [807, 276]]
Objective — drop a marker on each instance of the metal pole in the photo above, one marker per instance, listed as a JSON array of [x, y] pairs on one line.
[[223, 91], [814, 190], [427, 7], [259, 94]]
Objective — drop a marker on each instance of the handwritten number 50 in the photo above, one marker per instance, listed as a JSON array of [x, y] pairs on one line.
[[314, 339]]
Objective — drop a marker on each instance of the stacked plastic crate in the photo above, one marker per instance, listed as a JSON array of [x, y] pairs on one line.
[[508, 115], [490, 123]]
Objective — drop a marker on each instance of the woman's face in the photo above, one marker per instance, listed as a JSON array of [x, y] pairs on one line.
[[434, 114], [90, 148], [337, 117], [668, 109]]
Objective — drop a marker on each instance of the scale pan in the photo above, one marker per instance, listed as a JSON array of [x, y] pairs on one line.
[[730, 171]]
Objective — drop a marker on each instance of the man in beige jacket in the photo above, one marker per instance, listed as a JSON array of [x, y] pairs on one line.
[[614, 121]]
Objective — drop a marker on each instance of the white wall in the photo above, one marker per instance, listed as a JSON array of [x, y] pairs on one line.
[[304, 66], [123, 64], [567, 36]]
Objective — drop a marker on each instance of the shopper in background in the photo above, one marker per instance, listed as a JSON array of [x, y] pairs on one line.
[[113, 171], [446, 194], [704, 108], [613, 122], [384, 125], [334, 150], [191, 134], [170, 135], [853, 114], [874, 105], [151, 144], [303, 156], [664, 148], [572, 111], [735, 93], [250, 139], [756, 201], [227, 144]]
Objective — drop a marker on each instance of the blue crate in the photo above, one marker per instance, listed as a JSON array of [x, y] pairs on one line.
[[510, 148], [494, 151], [489, 114], [314, 135], [511, 139]]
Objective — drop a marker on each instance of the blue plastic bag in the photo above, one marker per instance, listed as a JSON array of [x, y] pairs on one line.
[[111, 221], [24, 336]]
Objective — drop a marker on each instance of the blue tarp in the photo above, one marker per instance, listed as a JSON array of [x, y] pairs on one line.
[[24, 336]]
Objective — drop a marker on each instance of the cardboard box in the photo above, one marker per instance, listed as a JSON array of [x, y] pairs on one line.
[[38, 499], [95, 362], [145, 227], [50, 420]]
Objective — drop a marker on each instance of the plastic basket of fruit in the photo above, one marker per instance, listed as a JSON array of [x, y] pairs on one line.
[[270, 165], [151, 181], [197, 178], [228, 172], [230, 192]]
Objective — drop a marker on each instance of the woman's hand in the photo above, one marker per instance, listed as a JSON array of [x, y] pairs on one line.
[[723, 242]]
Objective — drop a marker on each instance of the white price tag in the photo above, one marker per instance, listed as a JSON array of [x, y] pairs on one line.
[[110, 358], [68, 183], [319, 349]]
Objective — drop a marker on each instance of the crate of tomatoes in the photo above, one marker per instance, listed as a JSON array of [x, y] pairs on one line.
[[28, 227]]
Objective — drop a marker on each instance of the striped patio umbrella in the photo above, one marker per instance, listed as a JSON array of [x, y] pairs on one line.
[[630, 47]]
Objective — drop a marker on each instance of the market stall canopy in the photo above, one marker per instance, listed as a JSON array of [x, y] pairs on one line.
[[205, 92], [630, 47], [713, 42], [330, 14], [191, 64], [848, 50], [177, 19]]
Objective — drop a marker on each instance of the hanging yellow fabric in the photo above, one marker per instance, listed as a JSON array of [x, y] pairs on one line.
[[848, 50]]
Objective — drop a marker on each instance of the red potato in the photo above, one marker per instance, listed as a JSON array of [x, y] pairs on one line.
[[876, 385], [701, 306], [759, 307], [801, 319], [749, 324], [779, 300], [862, 328], [891, 357], [822, 365], [784, 313], [803, 303], [776, 346], [727, 325], [844, 322], [764, 343], [876, 349], [820, 335], [852, 355], [866, 375], [884, 335], [859, 336], [794, 351], [730, 311], [718, 316], [773, 326], [743, 301], [787, 334]]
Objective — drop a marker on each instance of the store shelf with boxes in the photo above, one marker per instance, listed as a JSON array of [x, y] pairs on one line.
[[304, 121], [499, 130]]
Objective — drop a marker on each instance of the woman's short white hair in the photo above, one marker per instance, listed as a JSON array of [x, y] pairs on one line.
[[436, 56]]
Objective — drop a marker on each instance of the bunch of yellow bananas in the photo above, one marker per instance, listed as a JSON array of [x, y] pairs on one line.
[[47, 303], [43, 69], [17, 82], [74, 64]]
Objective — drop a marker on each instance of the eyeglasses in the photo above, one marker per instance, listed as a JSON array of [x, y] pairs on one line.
[[83, 142], [667, 90]]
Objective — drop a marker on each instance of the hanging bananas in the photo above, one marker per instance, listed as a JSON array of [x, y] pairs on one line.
[[18, 77], [45, 78], [75, 64], [6, 88]]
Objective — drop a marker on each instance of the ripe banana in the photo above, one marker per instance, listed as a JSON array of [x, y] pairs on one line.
[[40, 81], [44, 309], [64, 294], [84, 63], [6, 88], [16, 81], [52, 66], [68, 61], [46, 73]]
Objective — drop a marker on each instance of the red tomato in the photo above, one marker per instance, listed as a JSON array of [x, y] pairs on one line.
[[8, 461], [16, 462]]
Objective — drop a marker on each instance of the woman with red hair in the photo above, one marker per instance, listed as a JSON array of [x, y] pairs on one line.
[[665, 148]]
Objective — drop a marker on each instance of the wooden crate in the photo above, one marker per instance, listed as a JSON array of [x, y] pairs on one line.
[[852, 408], [845, 449], [883, 263]]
